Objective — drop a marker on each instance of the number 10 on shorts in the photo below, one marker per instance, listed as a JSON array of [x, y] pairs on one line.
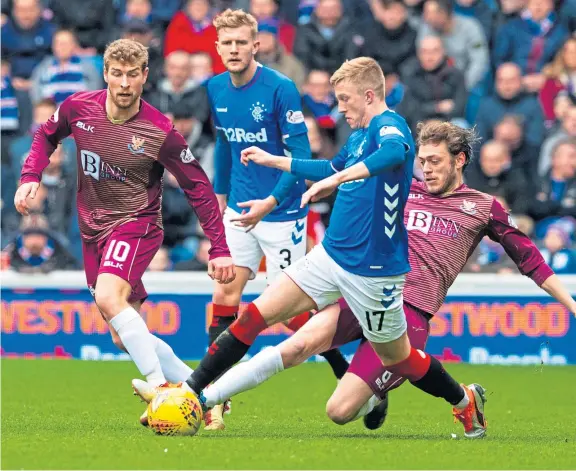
[[116, 254]]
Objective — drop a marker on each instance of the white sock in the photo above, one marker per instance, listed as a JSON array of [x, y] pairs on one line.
[[174, 369], [139, 343], [245, 376], [464, 402], [367, 408]]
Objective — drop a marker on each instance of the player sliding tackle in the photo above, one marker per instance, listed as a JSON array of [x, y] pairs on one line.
[[123, 145], [445, 220], [364, 256]]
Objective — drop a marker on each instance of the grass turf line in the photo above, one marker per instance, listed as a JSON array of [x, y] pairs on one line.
[[81, 415]]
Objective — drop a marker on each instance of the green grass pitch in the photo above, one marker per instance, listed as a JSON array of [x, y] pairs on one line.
[[82, 415]]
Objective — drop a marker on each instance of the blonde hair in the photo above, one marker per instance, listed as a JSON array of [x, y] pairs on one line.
[[363, 72], [126, 51], [557, 68], [235, 19]]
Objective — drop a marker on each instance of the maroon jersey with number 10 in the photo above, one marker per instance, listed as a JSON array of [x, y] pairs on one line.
[[120, 167]]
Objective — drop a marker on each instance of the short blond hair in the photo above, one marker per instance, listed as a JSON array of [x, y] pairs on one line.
[[363, 72], [235, 19], [126, 51]]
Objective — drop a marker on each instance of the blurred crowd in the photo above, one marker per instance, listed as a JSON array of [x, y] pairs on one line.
[[507, 67]]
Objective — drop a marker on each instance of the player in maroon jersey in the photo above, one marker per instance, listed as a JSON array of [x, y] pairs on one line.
[[445, 221], [124, 145]]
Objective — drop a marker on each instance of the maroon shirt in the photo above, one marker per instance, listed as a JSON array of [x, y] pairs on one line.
[[443, 231], [120, 167]]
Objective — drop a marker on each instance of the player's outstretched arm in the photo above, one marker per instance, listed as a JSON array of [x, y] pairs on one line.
[[526, 255], [555, 288], [178, 159], [45, 141]]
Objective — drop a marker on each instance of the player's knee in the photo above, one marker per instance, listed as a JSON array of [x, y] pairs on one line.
[[339, 411], [294, 352], [109, 303], [227, 295]]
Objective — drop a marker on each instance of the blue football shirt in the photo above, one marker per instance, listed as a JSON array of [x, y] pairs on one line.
[[367, 235], [263, 113]]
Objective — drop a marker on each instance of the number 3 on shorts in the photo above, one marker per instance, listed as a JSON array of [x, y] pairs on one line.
[[287, 258]]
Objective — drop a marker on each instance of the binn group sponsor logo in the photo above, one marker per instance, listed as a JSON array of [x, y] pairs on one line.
[[426, 222], [241, 135], [95, 167]]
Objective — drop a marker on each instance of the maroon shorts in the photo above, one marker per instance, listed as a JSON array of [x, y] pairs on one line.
[[366, 364], [126, 253]]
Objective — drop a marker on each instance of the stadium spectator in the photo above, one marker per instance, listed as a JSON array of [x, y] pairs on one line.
[[266, 10], [35, 250], [510, 131], [92, 20], [161, 261], [319, 100], [137, 10], [506, 10], [55, 196], [198, 135], [555, 194], [191, 30], [567, 14], [510, 98], [415, 12], [531, 41], [179, 88], [464, 40], [179, 220], [10, 114], [20, 146], [562, 103], [201, 67], [560, 77], [481, 10], [389, 38], [200, 260], [65, 73], [434, 89], [161, 12], [26, 40], [568, 130], [556, 249], [496, 176], [142, 32], [274, 55], [327, 40], [394, 89]]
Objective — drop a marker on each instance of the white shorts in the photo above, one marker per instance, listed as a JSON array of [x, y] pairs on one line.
[[375, 301], [281, 242]]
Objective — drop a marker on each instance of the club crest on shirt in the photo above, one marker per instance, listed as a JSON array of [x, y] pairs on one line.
[[186, 156], [136, 146], [258, 109], [468, 207]]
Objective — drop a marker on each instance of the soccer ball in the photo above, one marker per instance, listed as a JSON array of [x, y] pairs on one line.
[[175, 411]]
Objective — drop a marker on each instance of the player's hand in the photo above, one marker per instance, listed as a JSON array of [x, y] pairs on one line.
[[222, 202], [257, 209], [256, 155], [222, 270], [319, 190], [26, 190]]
